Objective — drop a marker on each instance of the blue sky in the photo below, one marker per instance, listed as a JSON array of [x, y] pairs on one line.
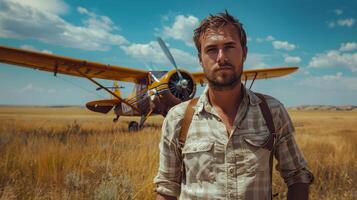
[[320, 37]]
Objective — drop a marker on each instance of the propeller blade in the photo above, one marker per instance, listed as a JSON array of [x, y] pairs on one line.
[[168, 54], [166, 51]]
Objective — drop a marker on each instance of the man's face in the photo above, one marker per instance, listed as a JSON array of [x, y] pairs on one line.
[[222, 57]]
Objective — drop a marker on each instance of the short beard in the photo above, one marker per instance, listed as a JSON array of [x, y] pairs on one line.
[[214, 84]]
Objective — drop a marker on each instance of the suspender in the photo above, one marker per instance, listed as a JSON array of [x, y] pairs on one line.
[[270, 143], [268, 117], [187, 119]]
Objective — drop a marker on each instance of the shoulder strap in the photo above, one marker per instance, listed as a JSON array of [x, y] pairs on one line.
[[187, 118], [268, 117]]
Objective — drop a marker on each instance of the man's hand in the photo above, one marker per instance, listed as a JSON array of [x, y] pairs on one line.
[[165, 197], [298, 191]]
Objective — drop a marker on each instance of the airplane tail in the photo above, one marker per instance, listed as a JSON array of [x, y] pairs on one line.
[[102, 106], [116, 90]]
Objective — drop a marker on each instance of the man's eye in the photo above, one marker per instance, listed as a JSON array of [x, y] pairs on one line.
[[230, 46], [210, 50]]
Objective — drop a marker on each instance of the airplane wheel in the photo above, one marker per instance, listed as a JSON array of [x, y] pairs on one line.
[[133, 126]]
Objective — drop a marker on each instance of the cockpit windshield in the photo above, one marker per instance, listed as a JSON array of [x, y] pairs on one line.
[[157, 74]]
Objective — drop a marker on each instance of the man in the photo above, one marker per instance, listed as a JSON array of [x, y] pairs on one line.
[[223, 156]]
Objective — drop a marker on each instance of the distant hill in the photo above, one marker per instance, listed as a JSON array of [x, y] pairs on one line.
[[39, 106], [325, 107]]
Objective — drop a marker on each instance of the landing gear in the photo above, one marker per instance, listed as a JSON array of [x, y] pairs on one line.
[[116, 119], [133, 126]]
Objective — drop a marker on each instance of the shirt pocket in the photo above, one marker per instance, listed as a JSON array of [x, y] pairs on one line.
[[255, 151], [257, 139], [196, 147], [199, 161]]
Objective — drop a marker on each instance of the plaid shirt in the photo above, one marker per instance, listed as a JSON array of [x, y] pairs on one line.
[[219, 166]]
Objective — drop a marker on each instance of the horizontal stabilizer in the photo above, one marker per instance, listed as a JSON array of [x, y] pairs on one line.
[[102, 106]]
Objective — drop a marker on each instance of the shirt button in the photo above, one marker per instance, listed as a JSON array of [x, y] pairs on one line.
[[231, 170], [231, 195], [239, 158]]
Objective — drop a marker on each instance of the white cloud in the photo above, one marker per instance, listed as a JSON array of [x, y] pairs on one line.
[[51, 6], [330, 82], [338, 12], [266, 39], [332, 77], [259, 40], [283, 45], [334, 58], [146, 52], [269, 38], [182, 29], [349, 22], [23, 20], [152, 53], [346, 22], [31, 88], [331, 24], [31, 48], [292, 59], [255, 60], [349, 46]]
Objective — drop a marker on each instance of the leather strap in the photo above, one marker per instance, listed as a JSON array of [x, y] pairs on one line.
[[268, 117], [186, 122]]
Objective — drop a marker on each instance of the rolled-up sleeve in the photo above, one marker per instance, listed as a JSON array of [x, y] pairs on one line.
[[291, 162], [168, 179]]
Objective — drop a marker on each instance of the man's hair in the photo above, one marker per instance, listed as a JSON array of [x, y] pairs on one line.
[[218, 21]]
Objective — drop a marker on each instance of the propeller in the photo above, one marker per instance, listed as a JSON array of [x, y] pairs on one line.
[[182, 83]]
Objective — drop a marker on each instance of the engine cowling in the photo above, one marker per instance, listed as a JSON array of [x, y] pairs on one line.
[[184, 88]]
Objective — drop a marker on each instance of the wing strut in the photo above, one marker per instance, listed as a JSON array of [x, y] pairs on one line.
[[255, 76], [56, 69], [106, 89]]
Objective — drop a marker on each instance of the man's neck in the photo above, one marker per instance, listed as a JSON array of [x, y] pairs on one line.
[[227, 101]]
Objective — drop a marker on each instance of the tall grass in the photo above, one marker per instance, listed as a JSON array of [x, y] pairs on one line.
[[73, 154]]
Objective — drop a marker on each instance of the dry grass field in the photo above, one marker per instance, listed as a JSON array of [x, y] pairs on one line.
[[71, 153]]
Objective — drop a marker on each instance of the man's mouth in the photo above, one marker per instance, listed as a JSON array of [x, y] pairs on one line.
[[224, 67]]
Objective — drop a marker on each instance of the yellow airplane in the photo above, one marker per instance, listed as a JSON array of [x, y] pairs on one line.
[[155, 92]]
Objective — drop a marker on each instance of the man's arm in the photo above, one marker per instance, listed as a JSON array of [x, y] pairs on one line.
[[291, 162], [298, 191], [168, 179], [164, 197]]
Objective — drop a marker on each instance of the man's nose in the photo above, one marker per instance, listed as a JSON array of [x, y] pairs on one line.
[[221, 57]]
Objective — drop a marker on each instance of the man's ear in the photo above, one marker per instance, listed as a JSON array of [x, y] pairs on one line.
[[245, 52], [199, 58]]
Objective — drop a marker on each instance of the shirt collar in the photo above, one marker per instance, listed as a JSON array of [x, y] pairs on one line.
[[253, 99], [203, 103]]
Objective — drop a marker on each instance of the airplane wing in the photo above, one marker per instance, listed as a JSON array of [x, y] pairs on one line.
[[252, 74], [69, 66]]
